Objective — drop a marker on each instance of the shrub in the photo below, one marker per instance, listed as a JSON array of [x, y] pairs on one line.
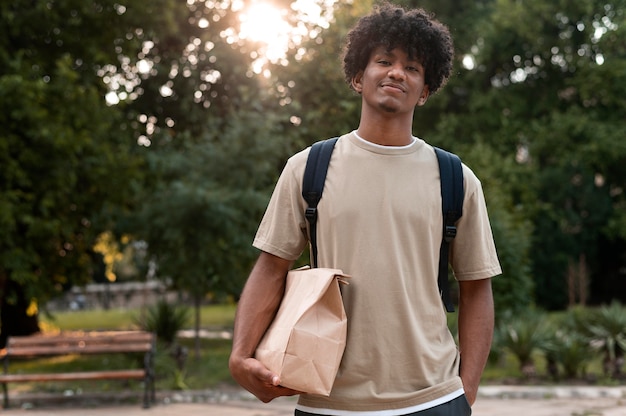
[[607, 330], [523, 334], [165, 320], [567, 349]]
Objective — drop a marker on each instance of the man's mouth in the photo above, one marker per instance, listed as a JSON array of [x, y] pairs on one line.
[[393, 87]]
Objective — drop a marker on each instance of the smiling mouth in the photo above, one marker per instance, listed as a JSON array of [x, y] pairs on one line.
[[393, 87]]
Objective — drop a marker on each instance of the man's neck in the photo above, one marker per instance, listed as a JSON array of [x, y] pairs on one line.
[[386, 132], [385, 128]]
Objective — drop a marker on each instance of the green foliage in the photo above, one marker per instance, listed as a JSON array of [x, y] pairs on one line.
[[214, 147], [514, 290], [170, 366], [571, 351], [165, 320], [568, 342], [537, 96], [523, 335], [607, 330], [67, 158], [568, 349], [199, 217]]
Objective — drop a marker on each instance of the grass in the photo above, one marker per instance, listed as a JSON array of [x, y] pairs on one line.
[[212, 316], [211, 368], [120, 319]]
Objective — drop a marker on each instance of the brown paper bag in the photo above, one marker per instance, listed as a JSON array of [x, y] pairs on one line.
[[305, 342]]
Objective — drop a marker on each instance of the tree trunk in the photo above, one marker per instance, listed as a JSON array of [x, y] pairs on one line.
[[14, 317], [197, 299]]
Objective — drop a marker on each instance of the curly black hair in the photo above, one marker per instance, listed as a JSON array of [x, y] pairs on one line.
[[416, 31]]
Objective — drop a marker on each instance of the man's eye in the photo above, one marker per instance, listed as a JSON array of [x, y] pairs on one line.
[[412, 68]]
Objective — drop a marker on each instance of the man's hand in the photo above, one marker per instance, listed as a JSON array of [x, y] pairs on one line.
[[258, 380], [470, 393]]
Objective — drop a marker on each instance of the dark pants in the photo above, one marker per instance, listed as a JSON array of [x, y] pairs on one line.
[[456, 407]]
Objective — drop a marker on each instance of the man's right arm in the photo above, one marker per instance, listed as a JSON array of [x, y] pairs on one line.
[[256, 309]]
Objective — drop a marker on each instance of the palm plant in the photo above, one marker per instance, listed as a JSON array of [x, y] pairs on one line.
[[567, 348], [523, 335], [607, 330], [165, 320]]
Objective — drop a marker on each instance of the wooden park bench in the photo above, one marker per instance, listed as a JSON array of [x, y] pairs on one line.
[[95, 342]]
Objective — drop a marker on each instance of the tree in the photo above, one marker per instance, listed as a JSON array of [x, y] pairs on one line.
[[201, 214], [214, 137], [532, 88], [67, 160], [177, 77]]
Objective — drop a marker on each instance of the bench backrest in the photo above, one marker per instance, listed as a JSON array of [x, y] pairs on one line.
[[94, 342]]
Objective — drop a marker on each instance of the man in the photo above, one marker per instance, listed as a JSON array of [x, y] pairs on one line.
[[380, 221]]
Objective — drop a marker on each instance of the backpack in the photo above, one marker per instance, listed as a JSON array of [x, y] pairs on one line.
[[452, 193]]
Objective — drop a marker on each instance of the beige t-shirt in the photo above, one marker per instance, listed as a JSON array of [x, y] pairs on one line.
[[380, 221]]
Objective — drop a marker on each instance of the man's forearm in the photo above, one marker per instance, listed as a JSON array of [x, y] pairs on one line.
[[257, 307], [259, 302], [476, 323]]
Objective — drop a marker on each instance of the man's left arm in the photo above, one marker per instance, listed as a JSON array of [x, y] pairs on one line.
[[476, 323]]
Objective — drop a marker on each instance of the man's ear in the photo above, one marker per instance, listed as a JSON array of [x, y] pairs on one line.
[[357, 82], [425, 94]]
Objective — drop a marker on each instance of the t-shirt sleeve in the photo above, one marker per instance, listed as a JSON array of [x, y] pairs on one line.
[[283, 231], [473, 252]]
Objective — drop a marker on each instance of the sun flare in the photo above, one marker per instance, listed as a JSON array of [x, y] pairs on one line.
[[264, 23], [269, 26]]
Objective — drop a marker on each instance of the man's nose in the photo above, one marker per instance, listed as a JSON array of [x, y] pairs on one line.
[[397, 72]]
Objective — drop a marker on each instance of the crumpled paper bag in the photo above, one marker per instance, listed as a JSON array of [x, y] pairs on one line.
[[305, 342]]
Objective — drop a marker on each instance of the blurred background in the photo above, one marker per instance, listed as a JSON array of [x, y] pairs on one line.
[[140, 142]]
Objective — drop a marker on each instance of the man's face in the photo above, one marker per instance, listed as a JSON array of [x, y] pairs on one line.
[[392, 82]]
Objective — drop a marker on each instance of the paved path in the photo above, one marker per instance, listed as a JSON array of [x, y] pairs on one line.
[[493, 401]]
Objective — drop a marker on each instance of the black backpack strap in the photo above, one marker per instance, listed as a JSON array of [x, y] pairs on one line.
[[313, 186], [452, 193]]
